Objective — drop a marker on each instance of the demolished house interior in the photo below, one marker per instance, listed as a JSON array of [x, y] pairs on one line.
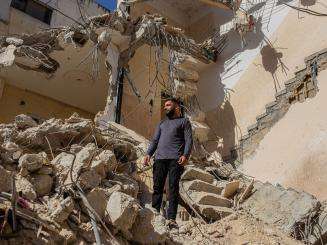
[[79, 179]]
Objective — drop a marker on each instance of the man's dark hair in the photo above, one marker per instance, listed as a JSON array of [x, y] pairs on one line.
[[175, 100]]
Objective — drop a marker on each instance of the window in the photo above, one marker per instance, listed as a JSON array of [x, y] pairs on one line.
[[34, 9]]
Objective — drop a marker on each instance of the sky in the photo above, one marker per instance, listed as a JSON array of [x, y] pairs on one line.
[[108, 4]]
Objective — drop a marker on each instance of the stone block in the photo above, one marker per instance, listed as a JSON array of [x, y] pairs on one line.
[[204, 198], [192, 173], [199, 185], [214, 213], [230, 188]]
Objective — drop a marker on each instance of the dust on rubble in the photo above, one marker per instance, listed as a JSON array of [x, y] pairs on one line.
[[68, 181]]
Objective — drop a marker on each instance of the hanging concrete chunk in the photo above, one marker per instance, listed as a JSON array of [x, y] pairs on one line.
[[187, 75]]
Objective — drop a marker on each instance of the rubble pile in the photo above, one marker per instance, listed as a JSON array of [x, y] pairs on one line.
[[68, 181]]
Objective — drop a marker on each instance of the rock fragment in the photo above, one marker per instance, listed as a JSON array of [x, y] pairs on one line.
[[23, 121], [32, 162], [149, 227], [42, 184], [62, 210], [122, 211]]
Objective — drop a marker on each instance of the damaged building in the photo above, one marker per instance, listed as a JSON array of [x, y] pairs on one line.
[[82, 88]]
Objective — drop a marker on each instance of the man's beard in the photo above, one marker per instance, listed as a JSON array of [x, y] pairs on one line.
[[170, 114]]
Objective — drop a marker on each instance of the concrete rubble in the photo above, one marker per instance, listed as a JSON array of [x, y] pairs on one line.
[[68, 181]]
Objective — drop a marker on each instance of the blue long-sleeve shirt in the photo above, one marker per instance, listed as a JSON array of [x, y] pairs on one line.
[[172, 139]]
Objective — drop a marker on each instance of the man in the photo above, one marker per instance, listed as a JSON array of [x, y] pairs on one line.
[[173, 142]]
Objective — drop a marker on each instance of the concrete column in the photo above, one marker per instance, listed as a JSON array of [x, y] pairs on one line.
[[109, 112]]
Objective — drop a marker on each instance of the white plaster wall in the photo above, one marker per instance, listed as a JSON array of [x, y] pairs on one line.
[[294, 152], [245, 84]]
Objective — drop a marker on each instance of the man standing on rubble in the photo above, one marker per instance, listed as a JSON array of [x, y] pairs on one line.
[[172, 142]]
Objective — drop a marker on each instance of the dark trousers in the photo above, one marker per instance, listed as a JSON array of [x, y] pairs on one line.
[[162, 168]]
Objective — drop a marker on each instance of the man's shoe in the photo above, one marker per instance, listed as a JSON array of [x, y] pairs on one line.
[[172, 224]]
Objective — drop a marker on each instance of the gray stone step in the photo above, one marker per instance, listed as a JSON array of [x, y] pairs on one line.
[[192, 173], [199, 185], [204, 198], [214, 213]]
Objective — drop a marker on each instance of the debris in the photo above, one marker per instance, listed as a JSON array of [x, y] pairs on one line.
[[246, 192], [282, 207], [23, 121], [92, 191], [230, 188], [122, 210], [149, 227]]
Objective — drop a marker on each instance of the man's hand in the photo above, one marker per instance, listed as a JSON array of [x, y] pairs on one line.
[[182, 160], [146, 161]]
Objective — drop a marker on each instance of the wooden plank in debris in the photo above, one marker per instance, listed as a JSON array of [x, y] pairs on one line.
[[231, 188]]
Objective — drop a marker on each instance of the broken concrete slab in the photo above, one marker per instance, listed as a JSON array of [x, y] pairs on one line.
[[62, 209], [98, 198], [122, 210], [279, 206], [204, 198], [149, 227], [214, 213], [230, 188], [199, 185], [104, 162], [192, 173]]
